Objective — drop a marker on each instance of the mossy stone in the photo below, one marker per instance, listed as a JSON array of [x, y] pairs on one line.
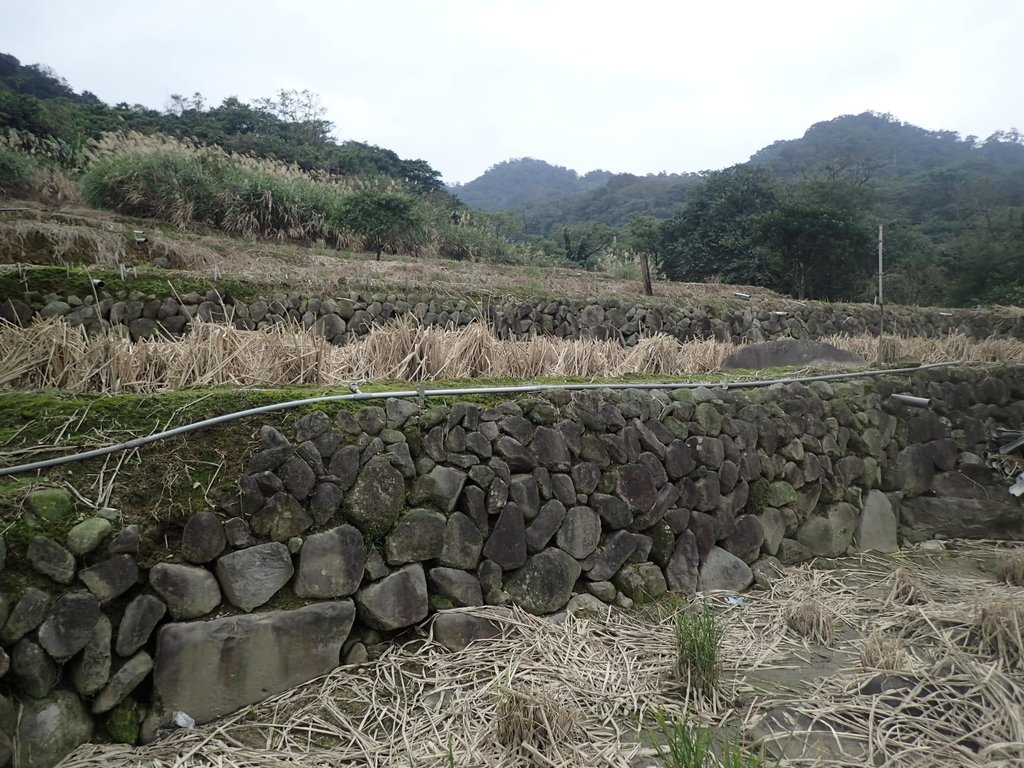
[[123, 722], [50, 504]]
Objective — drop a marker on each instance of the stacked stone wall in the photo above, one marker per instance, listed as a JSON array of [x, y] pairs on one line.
[[357, 526], [350, 317]]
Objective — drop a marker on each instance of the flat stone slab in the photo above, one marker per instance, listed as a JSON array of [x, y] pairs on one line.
[[211, 668]]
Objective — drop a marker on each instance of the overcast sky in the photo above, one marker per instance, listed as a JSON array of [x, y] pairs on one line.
[[637, 87]]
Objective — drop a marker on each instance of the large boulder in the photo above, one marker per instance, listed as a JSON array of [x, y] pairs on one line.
[[396, 601], [249, 657], [791, 352], [580, 532], [455, 629], [111, 578], [544, 584], [722, 570], [140, 619], [641, 582]]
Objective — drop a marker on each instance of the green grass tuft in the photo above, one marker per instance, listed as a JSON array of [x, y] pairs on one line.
[[698, 643]]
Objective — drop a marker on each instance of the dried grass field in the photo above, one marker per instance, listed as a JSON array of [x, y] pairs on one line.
[[906, 661], [52, 355]]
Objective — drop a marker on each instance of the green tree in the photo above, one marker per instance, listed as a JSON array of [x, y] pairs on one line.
[[825, 251], [385, 220], [714, 235]]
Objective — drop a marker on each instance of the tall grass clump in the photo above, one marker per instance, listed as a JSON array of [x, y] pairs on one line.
[[19, 173], [698, 638], [682, 745]]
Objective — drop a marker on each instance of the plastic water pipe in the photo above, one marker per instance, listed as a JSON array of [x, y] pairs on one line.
[[424, 393]]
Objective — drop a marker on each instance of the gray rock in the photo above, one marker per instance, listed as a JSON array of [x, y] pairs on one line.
[[580, 532], [585, 477], [250, 577], [281, 518], [29, 612], [140, 619], [455, 630], [635, 486], [792, 552], [767, 570], [641, 582], [915, 470], [544, 584], [126, 542], [49, 729], [88, 535], [706, 530], [237, 533], [330, 564], [924, 518], [507, 543], [708, 451], [463, 542], [681, 573], [518, 458], [773, 523], [603, 590], [722, 570], [746, 538], [69, 625], [876, 530], [325, 502], [460, 587], [790, 352], [372, 419], [33, 672], [617, 549], [445, 485], [345, 466], [269, 459], [311, 426], [524, 492], [189, 591], [51, 559], [398, 412], [612, 510], [544, 526], [550, 448], [123, 682], [111, 578], [374, 501], [203, 538], [419, 535], [90, 670], [396, 601], [244, 655], [665, 500]]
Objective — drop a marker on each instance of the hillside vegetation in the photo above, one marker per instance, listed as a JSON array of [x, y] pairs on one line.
[[801, 217]]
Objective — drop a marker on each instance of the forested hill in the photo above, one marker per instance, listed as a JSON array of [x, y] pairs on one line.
[[523, 182], [879, 146], [290, 126]]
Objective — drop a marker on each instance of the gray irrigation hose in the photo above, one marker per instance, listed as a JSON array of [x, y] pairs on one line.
[[424, 393]]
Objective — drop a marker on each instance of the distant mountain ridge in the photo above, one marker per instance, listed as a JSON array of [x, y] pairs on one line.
[[870, 145]]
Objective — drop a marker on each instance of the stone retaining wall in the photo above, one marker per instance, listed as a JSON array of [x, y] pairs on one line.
[[358, 525], [344, 319]]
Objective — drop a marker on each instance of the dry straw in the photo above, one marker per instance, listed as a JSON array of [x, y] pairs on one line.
[[589, 691]]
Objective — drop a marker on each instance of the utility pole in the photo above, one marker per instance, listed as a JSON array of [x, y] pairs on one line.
[[881, 299], [645, 271]]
